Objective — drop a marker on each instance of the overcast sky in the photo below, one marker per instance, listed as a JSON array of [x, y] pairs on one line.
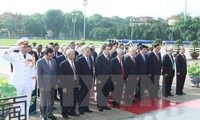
[[108, 8]]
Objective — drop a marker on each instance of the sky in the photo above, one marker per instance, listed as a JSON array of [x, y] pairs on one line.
[[107, 8]]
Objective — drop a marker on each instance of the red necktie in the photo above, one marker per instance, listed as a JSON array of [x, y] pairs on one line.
[[157, 56], [133, 59], [122, 68]]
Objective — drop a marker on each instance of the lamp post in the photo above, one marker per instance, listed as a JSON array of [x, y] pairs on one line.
[[84, 4], [172, 32], [74, 20], [133, 21], [74, 28], [185, 10]]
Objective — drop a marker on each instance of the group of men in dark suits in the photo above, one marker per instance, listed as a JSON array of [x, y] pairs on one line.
[[113, 71]]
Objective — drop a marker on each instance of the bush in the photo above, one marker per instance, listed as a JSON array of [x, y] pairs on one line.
[[6, 90]]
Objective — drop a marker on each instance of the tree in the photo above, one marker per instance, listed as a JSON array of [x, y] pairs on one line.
[[54, 20], [34, 25], [10, 24]]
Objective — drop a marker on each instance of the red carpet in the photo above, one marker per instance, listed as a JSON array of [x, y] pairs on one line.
[[149, 105]]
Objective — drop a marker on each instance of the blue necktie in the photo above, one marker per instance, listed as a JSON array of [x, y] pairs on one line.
[[88, 62], [171, 61], [143, 57]]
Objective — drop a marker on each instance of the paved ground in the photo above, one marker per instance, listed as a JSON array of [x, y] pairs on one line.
[[183, 113]]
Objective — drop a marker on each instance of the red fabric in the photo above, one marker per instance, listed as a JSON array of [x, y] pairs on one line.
[[148, 105]]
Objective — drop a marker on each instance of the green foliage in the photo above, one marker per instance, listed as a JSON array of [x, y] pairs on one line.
[[6, 90], [61, 25], [178, 42], [157, 41], [194, 45], [194, 70]]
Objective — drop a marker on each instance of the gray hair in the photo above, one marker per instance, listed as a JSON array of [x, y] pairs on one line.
[[169, 48], [120, 51], [69, 51], [132, 49]]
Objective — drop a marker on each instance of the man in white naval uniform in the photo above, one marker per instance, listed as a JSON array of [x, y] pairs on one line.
[[23, 77]]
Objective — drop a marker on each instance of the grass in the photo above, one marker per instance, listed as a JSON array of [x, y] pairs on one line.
[[12, 42]]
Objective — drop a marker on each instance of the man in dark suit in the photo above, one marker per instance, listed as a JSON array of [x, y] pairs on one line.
[[119, 75], [114, 47], [94, 53], [181, 71], [155, 66], [56, 54], [103, 74], [47, 81], [85, 70], [142, 68], [132, 74], [39, 51], [72, 46], [168, 72], [70, 85]]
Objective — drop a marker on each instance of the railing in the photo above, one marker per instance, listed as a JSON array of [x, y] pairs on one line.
[[10, 110]]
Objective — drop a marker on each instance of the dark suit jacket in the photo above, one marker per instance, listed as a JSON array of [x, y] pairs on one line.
[[181, 65], [102, 66], [58, 54], [94, 54], [38, 57], [116, 68], [131, 66], [154, 64], [59, 60], [142, 67], [82, 68], [66, 74], [113, 54], [167, 65]]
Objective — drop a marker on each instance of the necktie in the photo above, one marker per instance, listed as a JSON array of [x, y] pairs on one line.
[[143, 57], [157, 56], [122, 68], [38, 54], [74, 70], [49, 64], [184, 57], [24, 56], [88, 62], [107, 58], [133, 59], [172, 61]]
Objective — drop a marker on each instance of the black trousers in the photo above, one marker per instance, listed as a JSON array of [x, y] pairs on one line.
[[69, 101], [180, 83], [84, 93], [103, 90], [167, 83]]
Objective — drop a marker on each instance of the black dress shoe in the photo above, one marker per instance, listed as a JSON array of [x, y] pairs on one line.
[[170, 94], [88, 110], [74, 114], [100, 109], [165, 95], [115, 104], [44, 119], [53, 117], [65, 117], [179, 94], [57, 99], [81, 112], [106, 108], [183, 93]]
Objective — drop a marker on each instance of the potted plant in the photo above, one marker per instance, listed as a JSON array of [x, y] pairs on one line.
[[194, 74], [194, 53]]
